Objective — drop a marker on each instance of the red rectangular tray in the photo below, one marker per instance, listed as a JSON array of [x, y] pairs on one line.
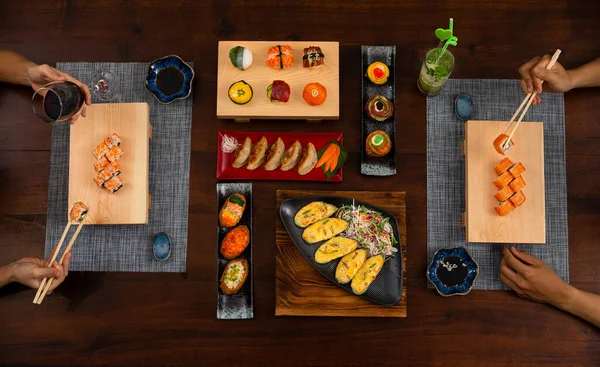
[[226, 172]]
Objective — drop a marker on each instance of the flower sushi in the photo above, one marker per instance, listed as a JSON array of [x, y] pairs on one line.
[[517, 170], [114, 154], [503, 166], [113, 141], [240, 57], [114, 184], [504, 208], [503, 180], [78, 211], [100, 151], [499, 144], [280, 57], [313, 56], [101, 164]]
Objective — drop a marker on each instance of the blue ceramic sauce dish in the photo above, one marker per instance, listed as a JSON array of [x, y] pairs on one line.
[[169, 78], [463, 106], [453, 271], [161, 246]]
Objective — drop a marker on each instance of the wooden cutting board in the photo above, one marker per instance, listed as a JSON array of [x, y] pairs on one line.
[[525, 224], [130, 204], [260, 76], [302, 291]]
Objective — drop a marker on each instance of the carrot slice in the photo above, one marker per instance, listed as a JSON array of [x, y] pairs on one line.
[[334, 161], [327, 154]]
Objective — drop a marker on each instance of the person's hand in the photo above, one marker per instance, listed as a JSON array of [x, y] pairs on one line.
[[40, 75], [30, 271], [534, 72], [532, 279]]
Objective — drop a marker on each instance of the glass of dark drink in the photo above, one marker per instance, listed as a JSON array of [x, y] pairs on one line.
[[57, 101]]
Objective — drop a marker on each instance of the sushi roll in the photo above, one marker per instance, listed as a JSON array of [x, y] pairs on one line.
[[113, 169], [99, 180], [378, 73], [504, 194], [378, 144], [379, 108], [504, 208], [78, 211], [503, 166], [503, 180], [113, 141], [499, 144], [280, 57], [113, 185], [517, 184], [101, 164], [518, 199], [279, 91], [240, 57], [114, 154], [100, 151], [517, 170], [313, 56]]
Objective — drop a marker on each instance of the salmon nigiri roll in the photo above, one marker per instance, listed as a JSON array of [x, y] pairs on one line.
[[503, 180], [499, 142], [517, 170], [518, 199], [503, 166], [504, 194], [280, 57], [517, 184], [504, 208]]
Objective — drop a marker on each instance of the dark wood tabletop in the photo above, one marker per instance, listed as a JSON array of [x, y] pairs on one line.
[[169, 319]]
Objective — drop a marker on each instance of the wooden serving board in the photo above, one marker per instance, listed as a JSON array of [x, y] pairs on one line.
[[131, 203], [302, 291], [260, 76], [525, 224]]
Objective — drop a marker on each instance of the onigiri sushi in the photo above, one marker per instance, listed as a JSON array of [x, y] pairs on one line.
[[240, 57]]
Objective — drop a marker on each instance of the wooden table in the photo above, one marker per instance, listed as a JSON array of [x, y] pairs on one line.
[[143, 319]]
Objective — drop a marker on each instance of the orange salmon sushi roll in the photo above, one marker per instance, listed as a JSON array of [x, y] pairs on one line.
[[518, 199], [504, 194], [504, 208], [503, 166], [517, 170], [503, 180], [517, 184], [500, 141]]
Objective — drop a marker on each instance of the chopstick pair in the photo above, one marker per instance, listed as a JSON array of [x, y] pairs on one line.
[[529, 98], [47, 282]]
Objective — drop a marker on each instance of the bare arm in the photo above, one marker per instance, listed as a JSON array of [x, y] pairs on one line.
[[587, 75], [14, 68], [583, 304]]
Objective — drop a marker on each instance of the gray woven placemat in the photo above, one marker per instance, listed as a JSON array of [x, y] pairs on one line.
[[129, 247], [492, 100]]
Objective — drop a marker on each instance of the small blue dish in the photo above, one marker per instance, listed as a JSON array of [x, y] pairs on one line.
[[463, 106], [169, 78], [453, 271], [161, 246]]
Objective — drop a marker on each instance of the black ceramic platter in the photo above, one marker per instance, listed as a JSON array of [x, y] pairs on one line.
[[386, 165], [241, 304], [386, 289]]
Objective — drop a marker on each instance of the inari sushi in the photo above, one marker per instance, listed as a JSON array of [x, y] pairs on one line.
[[518, 199], [100, 151], [517, 184], [78, 211], [280, 57], [503, 166], [503, 180], [499, 144], [114, 184], [114, 154], [504, 194], [504, 208], [101, 164], [517, 170]]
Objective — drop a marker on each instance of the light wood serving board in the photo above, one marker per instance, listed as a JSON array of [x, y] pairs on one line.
[[130, 204], [302, 291], [525, 224], [260, 76]]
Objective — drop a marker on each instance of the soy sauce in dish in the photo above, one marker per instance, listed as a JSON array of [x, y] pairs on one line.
[[452, 271], [170, 80]]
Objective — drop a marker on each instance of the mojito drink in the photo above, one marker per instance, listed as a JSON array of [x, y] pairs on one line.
[[435, 71]]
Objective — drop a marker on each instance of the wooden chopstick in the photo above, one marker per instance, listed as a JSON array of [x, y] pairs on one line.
[[56, 251], [62, 258], [529, 98]]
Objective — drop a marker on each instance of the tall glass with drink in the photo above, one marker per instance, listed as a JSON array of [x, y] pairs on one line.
[[435, 71]]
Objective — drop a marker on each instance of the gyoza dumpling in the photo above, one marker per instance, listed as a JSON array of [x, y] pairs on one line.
[[241, 154], [291, 156], [258, 153], [275, 154], [308, 160]]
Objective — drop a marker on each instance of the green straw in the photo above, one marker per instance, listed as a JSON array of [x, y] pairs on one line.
[[452, 41]]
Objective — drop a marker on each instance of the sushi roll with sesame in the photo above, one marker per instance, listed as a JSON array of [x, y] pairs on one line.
[[113, 141], [114, 154], [101, 164], [78, 211], [101, 150], [114, 184]]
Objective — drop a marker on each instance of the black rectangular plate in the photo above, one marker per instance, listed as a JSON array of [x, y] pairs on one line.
[[241, 304], [386, 165], [386, 289]]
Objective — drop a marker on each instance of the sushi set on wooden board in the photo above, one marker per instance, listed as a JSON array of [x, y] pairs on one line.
[[255, 65], [129, 202], [523, 224], [301, 290]]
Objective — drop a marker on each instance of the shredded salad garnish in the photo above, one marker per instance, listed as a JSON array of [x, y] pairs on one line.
[[229, 144], [372, 231]]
